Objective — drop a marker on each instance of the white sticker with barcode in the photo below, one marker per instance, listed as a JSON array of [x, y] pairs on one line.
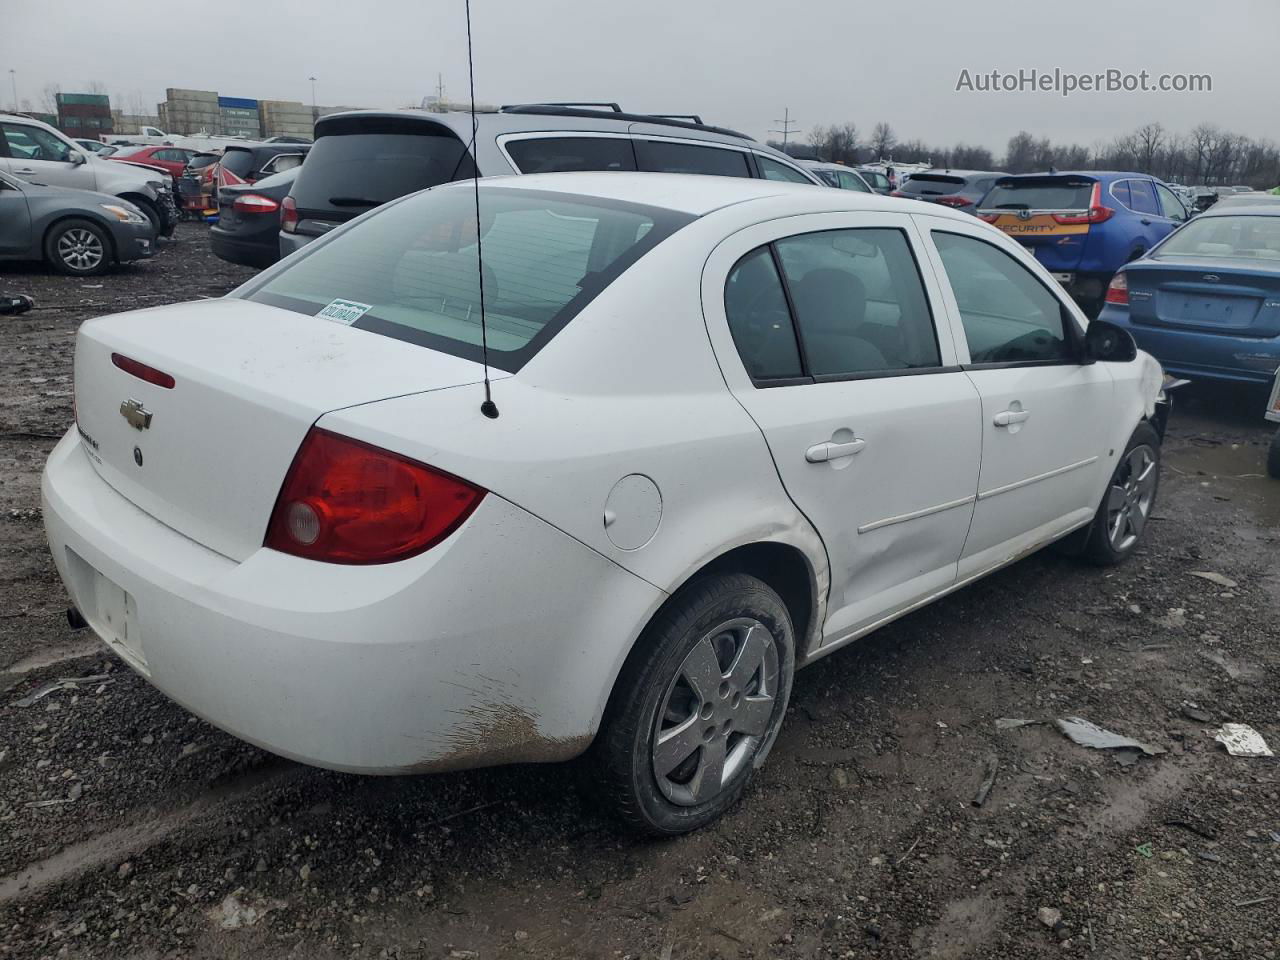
[[345, 312]]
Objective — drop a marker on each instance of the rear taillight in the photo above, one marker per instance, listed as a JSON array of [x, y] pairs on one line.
[[254, 203], [142, 371], [989, 217], [289, 216], [951, 201], [1097, 212], [1118, 290], [898, 193], [344, 501]]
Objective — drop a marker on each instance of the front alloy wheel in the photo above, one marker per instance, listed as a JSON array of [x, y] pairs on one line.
[[697, 705], [1130, 497]]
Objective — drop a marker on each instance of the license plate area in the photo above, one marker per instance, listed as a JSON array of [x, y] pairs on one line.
[[109, 609]]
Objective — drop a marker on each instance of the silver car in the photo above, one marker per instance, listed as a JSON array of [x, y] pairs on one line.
[[77, 232], [38, 153]]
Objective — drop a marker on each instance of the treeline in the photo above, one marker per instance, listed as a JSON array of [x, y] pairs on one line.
[[1207, 154]]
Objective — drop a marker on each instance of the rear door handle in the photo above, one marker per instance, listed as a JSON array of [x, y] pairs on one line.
[[822, 452], [1006, 417]]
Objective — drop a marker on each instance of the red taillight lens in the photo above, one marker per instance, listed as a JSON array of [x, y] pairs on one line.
[[255, 203], [897, 193], [289, 216], [1097, 212], [344, 501], [989, 217], [142, 371], [1118, 290], [952, 201]]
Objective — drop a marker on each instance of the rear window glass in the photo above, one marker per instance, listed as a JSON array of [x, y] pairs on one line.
[[1039, 194], [129, 151], [411, 271], [201, 160], [1243, 237], [239, 162], [662, 156], [369, 162], [559, 154], [929, 184]]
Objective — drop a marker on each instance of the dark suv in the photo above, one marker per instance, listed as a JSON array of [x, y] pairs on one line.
[[364, 159], [958, 189]]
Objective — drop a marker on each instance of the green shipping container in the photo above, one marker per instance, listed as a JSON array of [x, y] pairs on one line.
[[85, 99]]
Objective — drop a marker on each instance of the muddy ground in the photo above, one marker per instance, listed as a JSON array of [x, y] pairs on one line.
[[129, 828]]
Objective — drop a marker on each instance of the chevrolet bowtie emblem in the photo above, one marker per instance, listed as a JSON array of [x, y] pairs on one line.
[[138, 416]]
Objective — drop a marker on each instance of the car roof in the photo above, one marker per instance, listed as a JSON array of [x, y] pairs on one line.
[[1086, 174], [946, 172], [698, 195], [1244, 210]]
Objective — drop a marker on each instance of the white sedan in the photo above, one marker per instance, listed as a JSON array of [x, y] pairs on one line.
[[739, 425]]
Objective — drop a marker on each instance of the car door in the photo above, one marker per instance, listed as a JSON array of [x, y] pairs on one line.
[[15, 221], [38, 156], [1044, 456], [825, 329], [1142, 201]]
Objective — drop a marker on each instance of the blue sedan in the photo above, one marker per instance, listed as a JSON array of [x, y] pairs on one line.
[[1206, 301]]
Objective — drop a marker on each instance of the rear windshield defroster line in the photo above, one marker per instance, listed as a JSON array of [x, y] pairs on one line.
[[411, 271]]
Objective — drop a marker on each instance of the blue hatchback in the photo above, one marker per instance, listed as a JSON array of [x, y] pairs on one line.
[[1206, 302], [1084, 226]]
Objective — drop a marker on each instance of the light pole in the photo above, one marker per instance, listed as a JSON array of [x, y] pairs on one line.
[[315, 111], [13, 80]]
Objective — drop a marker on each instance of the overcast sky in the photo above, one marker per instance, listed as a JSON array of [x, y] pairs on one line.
[[738, 64]]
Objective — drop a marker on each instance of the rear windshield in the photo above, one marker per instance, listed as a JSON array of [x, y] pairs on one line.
[[363, 162], [1243, 237], [201, 160], [237, 161], [1040, 194], [128, 151], [410, 272], [932, 184]]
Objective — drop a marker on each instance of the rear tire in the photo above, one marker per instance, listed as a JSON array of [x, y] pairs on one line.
[[1128, 501], [697, 706], [78, 248], [1273, 456]]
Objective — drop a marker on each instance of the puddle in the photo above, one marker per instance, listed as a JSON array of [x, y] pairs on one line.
[[123, 842], [57, 653]]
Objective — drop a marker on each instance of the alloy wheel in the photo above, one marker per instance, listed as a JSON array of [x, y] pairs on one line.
[[1130, 498], [716, 712], [80, 249]]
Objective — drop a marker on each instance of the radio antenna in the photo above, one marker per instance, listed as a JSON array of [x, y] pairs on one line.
[[488, 408]]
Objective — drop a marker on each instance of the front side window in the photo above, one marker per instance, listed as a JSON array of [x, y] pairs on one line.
[[1008, 315], [411, 271], [771, 169], [560, 154], [664, 156], [851, 181], [1170, 206], [859, 302], [32, 143]]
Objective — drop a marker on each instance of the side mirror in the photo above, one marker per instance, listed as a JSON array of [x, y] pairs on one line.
[[77, 158], [1107, 342]]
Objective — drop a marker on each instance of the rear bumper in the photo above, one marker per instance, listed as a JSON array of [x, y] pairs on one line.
[[1198, 355], [260, 251], [292, 243], [481, 651]]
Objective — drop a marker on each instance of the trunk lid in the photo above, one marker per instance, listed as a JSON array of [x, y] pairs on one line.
[[1202, 295], [250, 380]]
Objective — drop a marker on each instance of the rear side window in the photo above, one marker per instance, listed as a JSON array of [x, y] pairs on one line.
[[1008, 315], [663, 156], [362, 162], [859, 302], [560, 154], [773, 170], [1143, 197], [759, 319], [1120, 190], [850, 181], [1039, 193], [412, 273]]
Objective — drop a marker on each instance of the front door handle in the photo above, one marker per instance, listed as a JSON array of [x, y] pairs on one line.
[[823, 452], [1006, 417], [25, 170]]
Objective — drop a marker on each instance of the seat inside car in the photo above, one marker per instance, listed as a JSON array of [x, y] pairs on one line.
[[832, 306]]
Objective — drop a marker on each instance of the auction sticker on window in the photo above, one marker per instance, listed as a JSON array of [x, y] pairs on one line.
[[345, 312]]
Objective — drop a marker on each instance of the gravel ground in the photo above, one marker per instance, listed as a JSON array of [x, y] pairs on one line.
[[129, 828]]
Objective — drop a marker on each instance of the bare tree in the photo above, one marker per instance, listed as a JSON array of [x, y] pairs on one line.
[[882, 140], [49, 97], [96, 87]]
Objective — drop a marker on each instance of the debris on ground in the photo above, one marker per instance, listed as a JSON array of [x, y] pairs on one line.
[[988, 780], [1049, 916], [1212, 577], [63, 683], [1193, 711], [1013, 723], [1241, 740], [1146, 850], [1086, 734], [233, 913]]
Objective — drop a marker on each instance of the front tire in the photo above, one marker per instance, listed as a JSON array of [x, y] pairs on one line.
[[78, 248], [1128, 501], [698, 705]]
